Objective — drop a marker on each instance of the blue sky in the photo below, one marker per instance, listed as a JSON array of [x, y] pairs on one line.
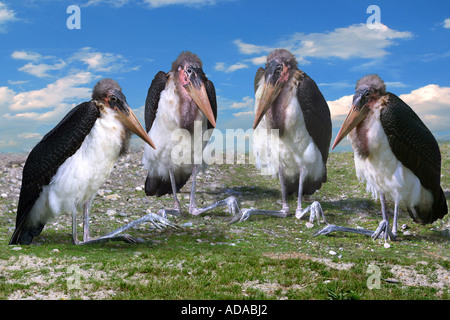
[[47, 69]]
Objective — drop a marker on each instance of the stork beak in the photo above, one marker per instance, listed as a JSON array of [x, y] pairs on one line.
[[197, 91], [268, 96], [354, 117], [129, 119]]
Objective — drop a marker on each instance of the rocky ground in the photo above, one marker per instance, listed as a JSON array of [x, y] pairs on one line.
[[418, 260]]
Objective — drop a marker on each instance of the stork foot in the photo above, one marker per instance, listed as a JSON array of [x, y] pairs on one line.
[[384, 231], [156, 220], [334, 228], [230, 202], [315, 210], [123, 237], [246, 213], [164, 212]]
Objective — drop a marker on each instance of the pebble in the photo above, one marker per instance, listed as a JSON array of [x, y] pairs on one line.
[[187, 224], [123, 214], [4, 195], [16, 248], [138, 189], [387, 245], [333, 253], [111, 212], [309, 225], [407, 233], [55, 250], [113, 197]]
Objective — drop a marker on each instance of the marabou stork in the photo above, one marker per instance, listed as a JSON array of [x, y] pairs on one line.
[[395, 154], [65, 169], [180, 104], [291, 107]]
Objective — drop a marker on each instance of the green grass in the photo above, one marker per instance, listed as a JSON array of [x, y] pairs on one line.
[[262, 258]]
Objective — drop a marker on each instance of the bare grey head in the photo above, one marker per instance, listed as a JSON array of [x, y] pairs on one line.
[[104, 88], [187, 58], [371, 82], [283, 56]]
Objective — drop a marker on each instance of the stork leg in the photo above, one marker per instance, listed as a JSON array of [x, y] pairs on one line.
[[315, 208], [283, 213], [231, 202], [177, 211], [382, 227]]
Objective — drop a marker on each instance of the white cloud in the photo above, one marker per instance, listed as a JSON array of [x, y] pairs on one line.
[[432, 104], [447, 23], [355, 41], [6, 15], [40, 70], [61, 93], [102, 61], [246, 103], [191, 3], [114, 3], [339, 108], [6, 95], [24, 55], [221, 66], [248, 48]]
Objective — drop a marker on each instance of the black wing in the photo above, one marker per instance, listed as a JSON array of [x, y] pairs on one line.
[[154, 93], [258, 77], [211, 92], [416, 148], [44, 160], [316, 114]]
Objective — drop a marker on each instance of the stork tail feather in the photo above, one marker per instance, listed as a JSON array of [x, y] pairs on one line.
[[437, 211], [24, 234], [157, 186]]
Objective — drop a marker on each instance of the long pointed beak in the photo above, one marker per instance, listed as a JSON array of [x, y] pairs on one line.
[[131, 122], [268, 96], [354, 117], [200, 97]]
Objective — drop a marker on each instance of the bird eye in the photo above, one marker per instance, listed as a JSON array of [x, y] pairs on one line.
[[279, 68], [189, 70], [113, 98]]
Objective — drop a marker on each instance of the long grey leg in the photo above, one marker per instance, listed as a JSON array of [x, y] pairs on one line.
[[177, 211], [74, 227], [283, 213], [86, 208], [384, 224], [231, 202], [315, 208]]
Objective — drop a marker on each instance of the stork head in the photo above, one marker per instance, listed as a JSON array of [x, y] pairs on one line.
[[280, 65], [368, 90], [110, 93], [189, 72]]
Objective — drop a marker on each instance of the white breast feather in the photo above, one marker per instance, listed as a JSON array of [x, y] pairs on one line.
[[168, 137], [295, 148]]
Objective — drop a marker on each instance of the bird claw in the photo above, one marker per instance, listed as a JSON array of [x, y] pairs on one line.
[[315, 210], [383, 230]]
